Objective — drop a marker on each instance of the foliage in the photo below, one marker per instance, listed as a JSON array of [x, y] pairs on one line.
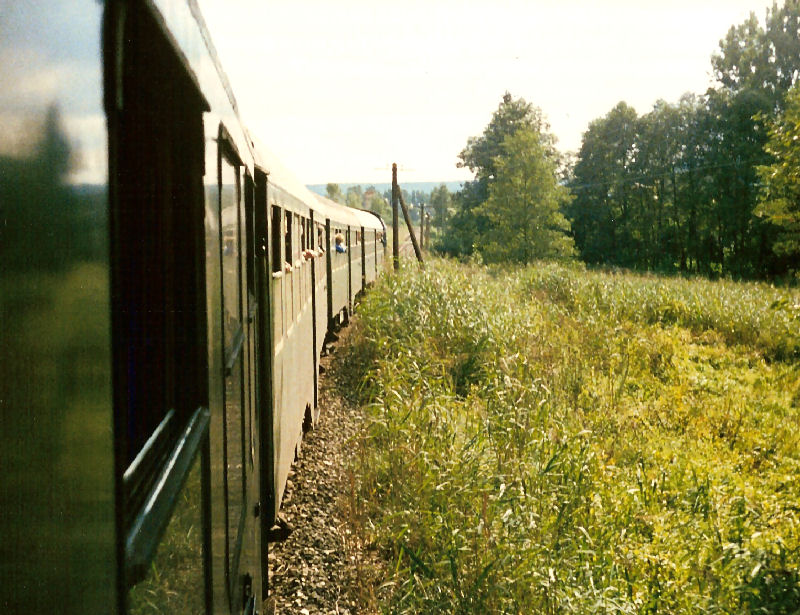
[[335, 193], [780, 196], [354, 197], [677, 189], [375, 202], [471, 227], [524, 205], [441, 201], [36, 200], [537, 444]]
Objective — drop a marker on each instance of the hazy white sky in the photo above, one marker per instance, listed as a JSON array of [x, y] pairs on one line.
[[340, 90]]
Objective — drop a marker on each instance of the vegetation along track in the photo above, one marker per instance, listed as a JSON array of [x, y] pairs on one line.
[[554, 440]]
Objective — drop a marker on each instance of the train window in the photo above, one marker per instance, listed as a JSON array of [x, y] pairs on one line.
[[298, 227], [320, 239], [303, 245], [277, 261], [156, 593], [231, 258], [288, 238]]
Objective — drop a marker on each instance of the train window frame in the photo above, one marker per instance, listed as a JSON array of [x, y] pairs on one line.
[[296, 238], [234, 369], [288, 239], [275, 238]]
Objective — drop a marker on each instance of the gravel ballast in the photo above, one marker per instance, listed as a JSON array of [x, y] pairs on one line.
[[320, 567]]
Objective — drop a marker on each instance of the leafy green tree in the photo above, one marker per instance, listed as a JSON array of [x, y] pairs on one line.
[[524, 204], [440, 201], [335, 193], [779, 200], [762, 58], [355, 197], [375, 202], [603, 183], [480, 156]]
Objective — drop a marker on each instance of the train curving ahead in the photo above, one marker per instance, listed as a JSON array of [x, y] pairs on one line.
[[166, 289]]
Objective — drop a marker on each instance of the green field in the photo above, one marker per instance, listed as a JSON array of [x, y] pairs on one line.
[[555, 440]]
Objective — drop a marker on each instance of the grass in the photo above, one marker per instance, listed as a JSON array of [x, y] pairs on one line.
[[550, 440]]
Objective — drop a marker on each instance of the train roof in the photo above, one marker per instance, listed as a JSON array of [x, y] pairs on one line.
[[347, 215]]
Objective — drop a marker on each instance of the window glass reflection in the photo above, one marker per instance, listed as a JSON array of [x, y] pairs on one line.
[[230, 252], [175, 583], [234, 466]]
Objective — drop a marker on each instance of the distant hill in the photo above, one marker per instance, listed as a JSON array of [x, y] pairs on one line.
[[408, 186]]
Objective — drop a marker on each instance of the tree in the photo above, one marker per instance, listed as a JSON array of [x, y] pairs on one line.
[[355, 197], [524, 204], [601, 214], [779, 200], [375, 202], [440, 201], [480, 156], [762, 58], [334, 193]]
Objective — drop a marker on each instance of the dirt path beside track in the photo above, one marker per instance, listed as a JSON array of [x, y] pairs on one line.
[[320, 568]]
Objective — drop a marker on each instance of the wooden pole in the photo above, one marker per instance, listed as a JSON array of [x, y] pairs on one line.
[[410, 226], [422, 225], [395, 221], [428, 231]]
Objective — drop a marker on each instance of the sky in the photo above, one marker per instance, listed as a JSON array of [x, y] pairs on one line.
[[341, 90]]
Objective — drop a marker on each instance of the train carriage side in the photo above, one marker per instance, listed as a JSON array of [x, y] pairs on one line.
[[197, 167], [293, 329], [149, 423]]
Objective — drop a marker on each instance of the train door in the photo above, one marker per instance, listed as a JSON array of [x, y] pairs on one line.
[[329, 253], [264, 353], [313, 238], [235, 535], [161, 413], [349, 274], [363, 238]]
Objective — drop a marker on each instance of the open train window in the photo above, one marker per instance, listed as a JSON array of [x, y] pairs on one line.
[[288, 238], [158, 292], [296, 245], [277, 261]]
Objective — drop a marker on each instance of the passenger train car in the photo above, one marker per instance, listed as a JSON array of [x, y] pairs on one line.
[[166, 289]]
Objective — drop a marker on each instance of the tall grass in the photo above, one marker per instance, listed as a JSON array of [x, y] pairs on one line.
[[538, 444]]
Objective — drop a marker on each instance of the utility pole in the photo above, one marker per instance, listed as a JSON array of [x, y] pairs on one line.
[[428, 231], [422, 225], [395, 221]]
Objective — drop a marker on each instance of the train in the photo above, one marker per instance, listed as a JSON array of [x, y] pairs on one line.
[[167, 289]]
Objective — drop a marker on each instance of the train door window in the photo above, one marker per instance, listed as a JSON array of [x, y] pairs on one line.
[[234, 338], [159, 324], [277, 261]]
